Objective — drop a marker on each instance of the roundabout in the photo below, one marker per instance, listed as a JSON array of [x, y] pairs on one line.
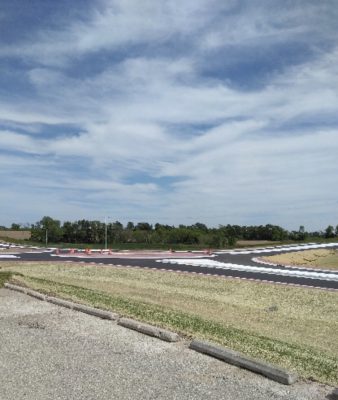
[[240, 264]]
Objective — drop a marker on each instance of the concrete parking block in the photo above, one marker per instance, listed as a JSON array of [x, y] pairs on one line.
[[15, 287], [95, 311], [36, 294], [235, 358], [60, 302], [149, 330]]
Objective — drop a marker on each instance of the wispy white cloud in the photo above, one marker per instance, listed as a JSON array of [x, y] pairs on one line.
[[272, 23], [150, 134], [114, 24]]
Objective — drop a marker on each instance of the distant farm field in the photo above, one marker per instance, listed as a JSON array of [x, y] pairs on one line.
[[255, 242], [16, 235], [296, 328], [318, 258]]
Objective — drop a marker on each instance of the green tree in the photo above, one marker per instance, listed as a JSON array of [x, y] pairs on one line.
[[302, 234], [130, 226], [231, 241], [47, 229], [115, 232], [69, 232], [15, 227], [144, 226], [329, 232], [199, 226]]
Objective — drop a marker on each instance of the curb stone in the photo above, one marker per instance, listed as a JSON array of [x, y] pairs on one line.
[[15, 287], [35, 294], [64, 303], [27, 291], [232, 357], [240, 360], [83, 308], [149, 330], [95, 311], [60, 302]]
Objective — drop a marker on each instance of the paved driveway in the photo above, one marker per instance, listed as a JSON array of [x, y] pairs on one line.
[[48, 352]]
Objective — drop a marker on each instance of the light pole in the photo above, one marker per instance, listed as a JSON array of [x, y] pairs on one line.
[[46, 237], [106, 233]]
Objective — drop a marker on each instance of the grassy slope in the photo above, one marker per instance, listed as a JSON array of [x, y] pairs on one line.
[[294, 327], [318, 258], [4, 277]]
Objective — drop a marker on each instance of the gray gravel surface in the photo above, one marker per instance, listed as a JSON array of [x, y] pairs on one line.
[[49, 352]]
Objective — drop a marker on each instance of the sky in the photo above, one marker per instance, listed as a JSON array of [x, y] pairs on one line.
[[211, 111]]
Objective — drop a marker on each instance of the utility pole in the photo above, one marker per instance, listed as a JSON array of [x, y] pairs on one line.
[[105, 233], [46, 237]]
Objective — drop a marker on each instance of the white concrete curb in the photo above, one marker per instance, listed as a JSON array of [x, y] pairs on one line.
[[64, 303], [240, 360], [60, 302], [149, 330], [15, 287], [35, 294], [83, 308], [95, 311]]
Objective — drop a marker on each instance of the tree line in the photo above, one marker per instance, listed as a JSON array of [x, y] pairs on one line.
[[97, 232]]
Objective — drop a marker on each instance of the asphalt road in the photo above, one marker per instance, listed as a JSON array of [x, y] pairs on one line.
[[231, 264], [49, 352]]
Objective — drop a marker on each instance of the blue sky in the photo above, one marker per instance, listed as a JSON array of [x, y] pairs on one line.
[[167, 111]]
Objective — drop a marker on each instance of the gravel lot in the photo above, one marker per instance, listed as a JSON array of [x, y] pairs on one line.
[[48, 352]]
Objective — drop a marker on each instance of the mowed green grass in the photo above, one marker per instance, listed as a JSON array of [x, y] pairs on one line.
[[296, 328], [317, 258]]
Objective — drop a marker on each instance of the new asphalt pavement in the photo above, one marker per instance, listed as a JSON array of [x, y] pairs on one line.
[[241, 264]]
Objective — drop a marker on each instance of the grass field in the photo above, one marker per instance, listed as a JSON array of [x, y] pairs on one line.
[[4, 277], [296, 328], [318, 258], [249, 243]]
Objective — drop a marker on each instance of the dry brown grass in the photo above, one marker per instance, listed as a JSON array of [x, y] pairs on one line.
[[302, 315], [318, 258], [254, 242], [305, 319], [16, 250]]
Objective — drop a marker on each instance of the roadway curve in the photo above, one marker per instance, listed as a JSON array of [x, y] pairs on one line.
[[241, 264]]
